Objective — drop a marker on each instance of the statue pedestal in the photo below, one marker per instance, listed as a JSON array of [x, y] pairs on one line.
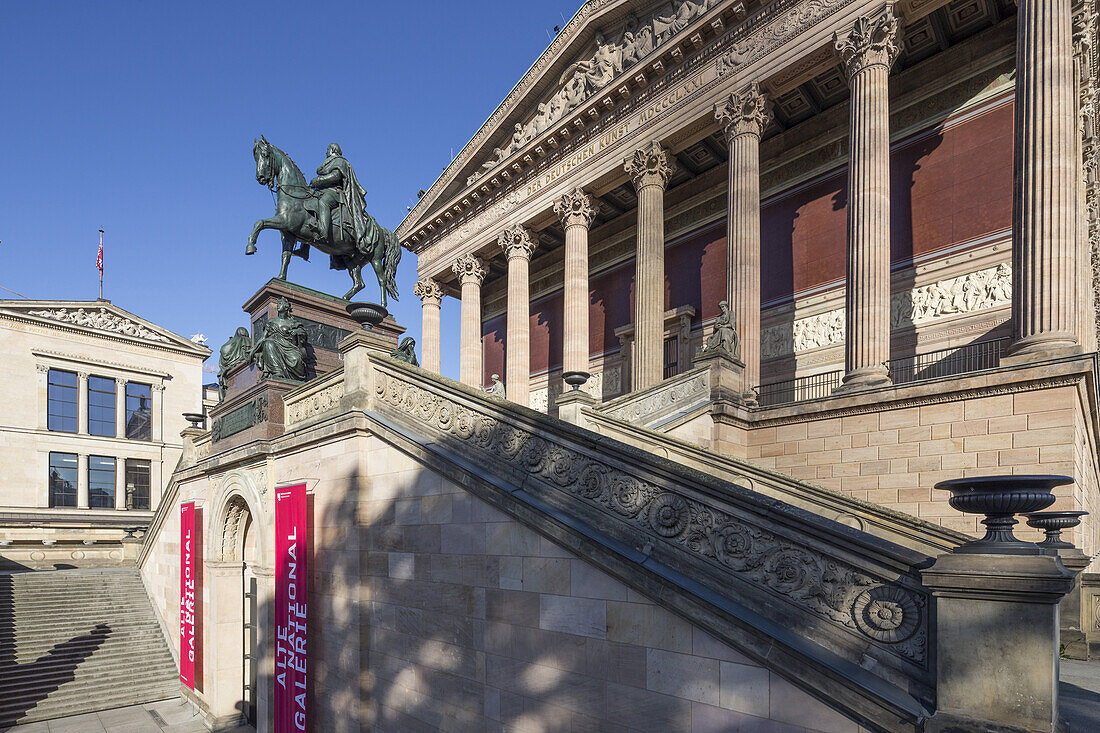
[[727, 377], [324, 317], [253, 412]]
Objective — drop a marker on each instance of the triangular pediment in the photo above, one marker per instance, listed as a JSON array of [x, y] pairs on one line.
[[606, 48], [98, 317]]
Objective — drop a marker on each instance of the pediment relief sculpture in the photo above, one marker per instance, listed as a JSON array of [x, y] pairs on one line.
[[100, 319], [588, 75]]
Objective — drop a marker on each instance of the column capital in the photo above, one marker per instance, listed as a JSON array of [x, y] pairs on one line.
[[518, 242], [871, 42], [744, 113], [469, 269], [651, 165], [428, 291], [576, 208]]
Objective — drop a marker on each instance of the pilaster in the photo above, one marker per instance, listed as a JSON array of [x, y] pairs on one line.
[[744, 116], [156, 427], [120, 408], [518, 244], [82, 404], [868, 52], [650, 168], [471, 273], [431, 297], [1045, 299], [82, 481], [576, 211]]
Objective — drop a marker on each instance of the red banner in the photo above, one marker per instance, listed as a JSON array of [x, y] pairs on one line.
[[291, 540], [187, 594]]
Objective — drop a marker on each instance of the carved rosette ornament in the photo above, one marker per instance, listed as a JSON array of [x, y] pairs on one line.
[[650, 166], [469, 269], [576, 208], [428, 291], [744, 113], [517, 241], [872, 42]]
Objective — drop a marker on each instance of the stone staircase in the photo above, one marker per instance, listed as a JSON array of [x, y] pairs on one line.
[[77, 641]]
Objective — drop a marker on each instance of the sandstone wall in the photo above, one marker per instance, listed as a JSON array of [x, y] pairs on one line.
[[472, 621]]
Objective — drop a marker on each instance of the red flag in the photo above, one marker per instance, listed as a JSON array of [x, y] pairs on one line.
[[99, 259]]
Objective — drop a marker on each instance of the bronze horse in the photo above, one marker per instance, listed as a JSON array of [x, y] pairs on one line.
[[295, 218]]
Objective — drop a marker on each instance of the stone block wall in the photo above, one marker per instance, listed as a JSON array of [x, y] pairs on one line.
[[473, 621], [895, 455]]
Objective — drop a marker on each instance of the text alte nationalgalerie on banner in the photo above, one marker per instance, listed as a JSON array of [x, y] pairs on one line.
[[740, 284]]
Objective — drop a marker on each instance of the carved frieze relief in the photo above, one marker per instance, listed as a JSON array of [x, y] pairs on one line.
[[314, 404], [672, 394], [977, 291]]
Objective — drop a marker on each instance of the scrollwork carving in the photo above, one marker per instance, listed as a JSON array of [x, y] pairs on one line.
[[469, 269], [876, 607], [576, 208], [518, 241], [428, 291], [651, 165], [744, 113], [871, 42]]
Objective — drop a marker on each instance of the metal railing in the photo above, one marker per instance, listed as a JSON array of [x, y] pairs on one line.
[[800, 389], [934, 364], [948, 362]]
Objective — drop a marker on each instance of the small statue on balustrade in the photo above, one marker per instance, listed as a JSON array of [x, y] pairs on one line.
[[724, 338], [233, 352], [496, 389], [406, 351]]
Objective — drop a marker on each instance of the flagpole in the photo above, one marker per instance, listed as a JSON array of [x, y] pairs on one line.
[[101, 264]]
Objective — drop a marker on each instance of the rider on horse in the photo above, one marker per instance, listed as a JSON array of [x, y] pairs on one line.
[[337, 186]]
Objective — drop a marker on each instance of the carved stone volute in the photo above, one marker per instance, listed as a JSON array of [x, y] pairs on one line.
[[871, 42], [651, 165], [518, 241], [469, 269], [428, 291], [744, 113], [576, 208]]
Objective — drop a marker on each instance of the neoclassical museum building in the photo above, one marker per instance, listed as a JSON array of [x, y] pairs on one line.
[[896, 200], [741, 282]]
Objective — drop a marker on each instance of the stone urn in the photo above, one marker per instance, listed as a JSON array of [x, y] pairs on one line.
[[1000, 498], [367, 315], [1052, 523], [195, 418], [575, 379]]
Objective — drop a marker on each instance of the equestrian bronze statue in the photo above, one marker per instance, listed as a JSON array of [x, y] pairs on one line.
[[327, 213]]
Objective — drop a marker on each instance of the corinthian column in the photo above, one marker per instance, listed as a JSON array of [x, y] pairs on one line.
[[868, 52], [470, 272], [431, 295], [650, 168], [576, 211], [1044, 225], [518, 243], [744, 116]]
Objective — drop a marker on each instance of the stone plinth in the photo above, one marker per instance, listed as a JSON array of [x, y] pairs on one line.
[[254, 412], [996, 640], [326, 321], [727, 377]]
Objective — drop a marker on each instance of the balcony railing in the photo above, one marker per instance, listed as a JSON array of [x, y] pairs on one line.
[[800, 389], [948, 362], [935, 364]]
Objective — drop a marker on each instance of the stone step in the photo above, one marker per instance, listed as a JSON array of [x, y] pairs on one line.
[[49, 675]]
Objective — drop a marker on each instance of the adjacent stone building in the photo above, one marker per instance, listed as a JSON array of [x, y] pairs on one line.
[[896, 199], [91, 405]]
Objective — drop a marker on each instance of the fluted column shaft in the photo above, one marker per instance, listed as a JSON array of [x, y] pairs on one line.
[[744, 115], [470, 272], [576, 210], [650, 168], [868, 53], [1044, 227], [431, 296], [518, 243]]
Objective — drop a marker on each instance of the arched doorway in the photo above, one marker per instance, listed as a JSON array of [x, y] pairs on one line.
[[240, 557]]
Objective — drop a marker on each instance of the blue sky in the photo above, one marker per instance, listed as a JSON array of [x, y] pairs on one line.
[[138, 118]]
